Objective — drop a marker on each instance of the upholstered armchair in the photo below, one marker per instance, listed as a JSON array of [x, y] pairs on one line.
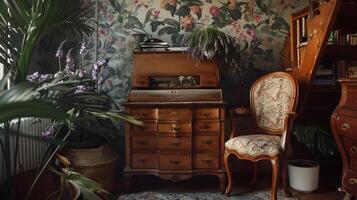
[[273, 100]]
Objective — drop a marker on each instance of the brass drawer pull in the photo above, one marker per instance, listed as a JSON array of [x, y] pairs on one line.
[[209, 82], [175, 162], [205, 127], [206, 114], [143, 114], [142, 142], [207, 161], [173, 113], [345, 126], [207, 142], [352, 181], [142, 161], [353, 149], [176, 144], [175, 129]]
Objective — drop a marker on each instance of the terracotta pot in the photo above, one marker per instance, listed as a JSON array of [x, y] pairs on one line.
[[99, 164]]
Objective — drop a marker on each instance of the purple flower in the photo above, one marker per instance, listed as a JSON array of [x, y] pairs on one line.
[[33, 78], [94, 74], [102, 62], [83, 48], [38, 78], [69, 61], [45, 77], [59, 53], [81, 73], [80, 88], [48, 132], [95, 66]]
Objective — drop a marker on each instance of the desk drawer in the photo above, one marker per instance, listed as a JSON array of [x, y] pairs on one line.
[[145, 113], [349, 180], [175, 143], [347, 126], [206, 126], [209, 81], [205, 161], [206, 143], [184, 128], [144, 142], [140, 82], [175, 114], [206, 113], [175, 162], [148, 127], [144, 161]]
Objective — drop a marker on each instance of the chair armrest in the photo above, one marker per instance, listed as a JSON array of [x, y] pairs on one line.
[[239, 111], [234, 114], [288, 125]]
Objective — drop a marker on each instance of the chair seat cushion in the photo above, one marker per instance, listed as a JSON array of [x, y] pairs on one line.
[[255, 145]]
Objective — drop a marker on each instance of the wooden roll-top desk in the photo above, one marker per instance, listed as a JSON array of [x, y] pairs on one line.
[[180, 103]]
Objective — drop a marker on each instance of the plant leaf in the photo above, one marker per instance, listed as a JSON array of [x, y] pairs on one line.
[[183, 11], [38, 109]]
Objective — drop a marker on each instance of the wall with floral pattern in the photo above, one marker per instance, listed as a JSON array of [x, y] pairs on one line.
[[259, 26]]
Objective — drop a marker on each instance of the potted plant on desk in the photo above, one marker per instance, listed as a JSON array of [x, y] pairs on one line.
[[209, 42]]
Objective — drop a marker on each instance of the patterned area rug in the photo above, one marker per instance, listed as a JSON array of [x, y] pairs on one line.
[[262, 195]]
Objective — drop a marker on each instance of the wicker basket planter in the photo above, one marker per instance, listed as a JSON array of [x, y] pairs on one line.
[[99, 164]]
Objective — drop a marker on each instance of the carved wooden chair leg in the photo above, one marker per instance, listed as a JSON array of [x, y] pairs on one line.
[[275, 175], [255, 175], [285, 178], [229, 173]]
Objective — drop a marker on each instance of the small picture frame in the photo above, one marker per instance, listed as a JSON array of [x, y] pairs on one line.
[[352, 72]]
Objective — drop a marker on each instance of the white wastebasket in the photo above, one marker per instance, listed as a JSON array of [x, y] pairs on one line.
[[303, 175]]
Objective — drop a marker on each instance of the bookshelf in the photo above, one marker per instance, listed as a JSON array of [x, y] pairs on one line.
[[298, 30], [323, 46], [311, 64]]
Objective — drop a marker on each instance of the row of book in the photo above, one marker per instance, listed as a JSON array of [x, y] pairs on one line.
[[327, 74], [301, 31], [154, 44], [338, 37]]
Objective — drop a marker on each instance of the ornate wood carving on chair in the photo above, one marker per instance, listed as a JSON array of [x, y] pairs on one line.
[[273, 100]]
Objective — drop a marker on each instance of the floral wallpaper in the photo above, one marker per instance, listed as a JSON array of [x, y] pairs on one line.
[[258, 26]]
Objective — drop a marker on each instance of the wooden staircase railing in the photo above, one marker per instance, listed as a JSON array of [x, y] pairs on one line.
[[317, 21]]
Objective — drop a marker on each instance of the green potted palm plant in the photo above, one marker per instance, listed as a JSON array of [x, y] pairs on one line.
[[83, 116], [304, 174], [22, 24]]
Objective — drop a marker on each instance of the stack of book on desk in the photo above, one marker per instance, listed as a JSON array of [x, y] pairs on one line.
[[154, 44]]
